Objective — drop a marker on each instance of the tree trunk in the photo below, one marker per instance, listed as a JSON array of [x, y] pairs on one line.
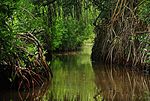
[[48, 34], [116, 38]]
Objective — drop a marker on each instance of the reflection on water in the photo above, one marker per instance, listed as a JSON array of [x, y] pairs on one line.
[[76, 80], [35, 94], [118, 84], [73, 78]]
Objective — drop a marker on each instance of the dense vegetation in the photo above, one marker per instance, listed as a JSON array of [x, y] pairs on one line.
[[122, 32], [31, 30]]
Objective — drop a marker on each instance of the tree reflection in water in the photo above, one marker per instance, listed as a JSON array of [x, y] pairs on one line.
[[76, 80], [118, 84], [35, 94]]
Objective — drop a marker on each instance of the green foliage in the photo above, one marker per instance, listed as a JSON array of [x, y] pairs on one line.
[[144, 11], [6, 33], [57, 33], [26, 17], [16, 17], [69, 34], [74, 34], [144, 41]]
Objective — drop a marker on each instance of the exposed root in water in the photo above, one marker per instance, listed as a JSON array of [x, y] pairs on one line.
[[34, 94], [31, 69]]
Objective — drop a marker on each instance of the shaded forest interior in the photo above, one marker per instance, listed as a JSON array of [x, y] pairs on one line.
[[32, 30]]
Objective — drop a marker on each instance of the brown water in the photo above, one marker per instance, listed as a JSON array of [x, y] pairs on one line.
[[75, 79]]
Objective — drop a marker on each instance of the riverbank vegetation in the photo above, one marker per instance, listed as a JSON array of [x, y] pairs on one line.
[[122, 32], [31, 30]]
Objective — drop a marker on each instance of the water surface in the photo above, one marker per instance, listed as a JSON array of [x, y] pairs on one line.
[[76, 79]]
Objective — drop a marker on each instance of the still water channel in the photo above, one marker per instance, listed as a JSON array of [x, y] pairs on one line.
[[75, 79]]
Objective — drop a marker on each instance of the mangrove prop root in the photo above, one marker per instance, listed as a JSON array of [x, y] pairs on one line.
[[34, 72], [118, 42]]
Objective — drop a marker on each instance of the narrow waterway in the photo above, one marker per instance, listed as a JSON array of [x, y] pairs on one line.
[[76, 79], [73, 77]]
